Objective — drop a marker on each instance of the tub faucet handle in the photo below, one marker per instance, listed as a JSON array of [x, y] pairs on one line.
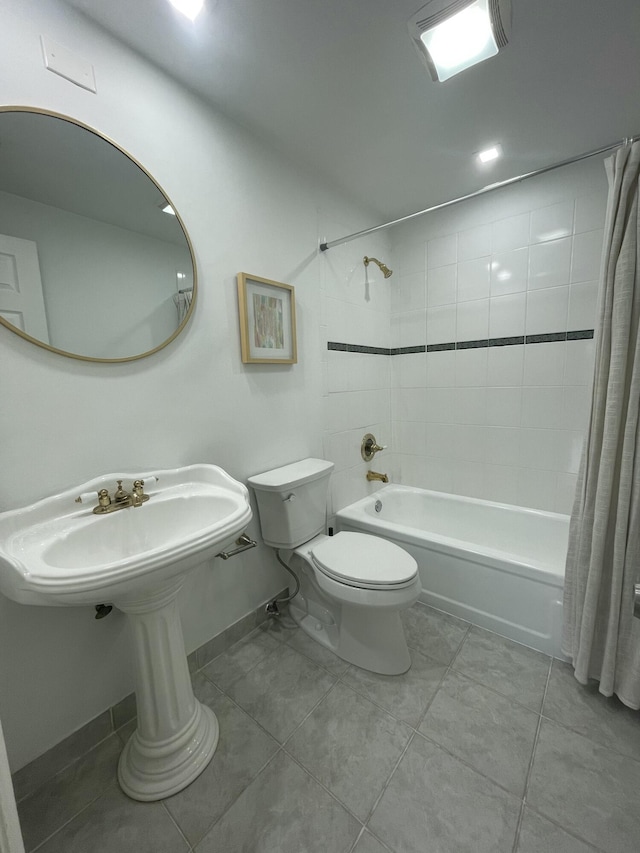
[[370, 447]]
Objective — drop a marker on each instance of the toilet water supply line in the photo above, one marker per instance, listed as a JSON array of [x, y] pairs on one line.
[[272, 608]]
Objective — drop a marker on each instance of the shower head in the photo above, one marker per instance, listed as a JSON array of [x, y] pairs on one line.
[[386, 272]]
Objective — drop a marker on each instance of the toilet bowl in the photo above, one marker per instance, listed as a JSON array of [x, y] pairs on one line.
[[353, 586]]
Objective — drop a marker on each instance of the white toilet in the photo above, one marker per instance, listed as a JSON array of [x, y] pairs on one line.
[[352, 585]]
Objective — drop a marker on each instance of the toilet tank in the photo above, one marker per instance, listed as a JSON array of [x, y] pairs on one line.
[[292, 501]]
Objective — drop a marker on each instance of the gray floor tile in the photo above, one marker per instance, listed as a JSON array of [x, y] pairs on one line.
[[351, 746], [281, 690], [433, 633], [368, 844], [586, 788], [405, 696], [240, 658], [116, 824], [283, 811], [505, 666], [436, 803], [281, 628], [36, 773], [585, 709], [306, 645], [243, 750], [538, 835], [60, 799], [489, 731]]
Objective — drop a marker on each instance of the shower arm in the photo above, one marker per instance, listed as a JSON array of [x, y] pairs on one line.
[[384, 269]]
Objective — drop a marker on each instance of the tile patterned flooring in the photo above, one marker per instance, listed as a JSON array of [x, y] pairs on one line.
[[484, 746]]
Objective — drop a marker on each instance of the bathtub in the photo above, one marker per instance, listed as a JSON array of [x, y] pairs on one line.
[[495, 565]]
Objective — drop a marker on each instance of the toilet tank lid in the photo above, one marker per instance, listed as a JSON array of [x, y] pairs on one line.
[[290, 476]]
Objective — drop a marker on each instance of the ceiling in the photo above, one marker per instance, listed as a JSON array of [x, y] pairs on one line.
[[338, 87]]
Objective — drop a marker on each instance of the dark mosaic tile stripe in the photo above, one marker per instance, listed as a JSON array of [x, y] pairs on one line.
[[515, 340], [582, 335], [440, 347], [506, 342], [471, 344], [549, 338]]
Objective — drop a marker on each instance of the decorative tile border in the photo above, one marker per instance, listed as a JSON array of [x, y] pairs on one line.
[[30, 777], [550, 337]]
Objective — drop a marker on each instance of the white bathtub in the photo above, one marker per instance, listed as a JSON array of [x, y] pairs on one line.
[[498, 566]]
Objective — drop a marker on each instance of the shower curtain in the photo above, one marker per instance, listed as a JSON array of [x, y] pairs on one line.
[[601, 635]]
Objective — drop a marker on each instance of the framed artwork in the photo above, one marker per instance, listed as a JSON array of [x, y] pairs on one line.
[[267, 320]]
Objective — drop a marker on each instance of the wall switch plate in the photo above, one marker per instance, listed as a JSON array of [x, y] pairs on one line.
[[61, 61]]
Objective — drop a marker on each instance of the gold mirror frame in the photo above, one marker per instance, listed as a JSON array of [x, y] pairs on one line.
[[40, 111]]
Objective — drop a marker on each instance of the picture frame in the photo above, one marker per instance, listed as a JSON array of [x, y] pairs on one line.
[[267, 320]]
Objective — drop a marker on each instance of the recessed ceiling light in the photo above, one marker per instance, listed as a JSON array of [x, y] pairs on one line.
[[489, 154], [166, 208], [452, 35], [190, 8]]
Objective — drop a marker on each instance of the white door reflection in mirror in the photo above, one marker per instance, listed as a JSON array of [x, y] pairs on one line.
[[21, 300]]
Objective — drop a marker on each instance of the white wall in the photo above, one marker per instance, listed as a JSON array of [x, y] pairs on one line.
[[108, 291], [503, 423], [64, 421]]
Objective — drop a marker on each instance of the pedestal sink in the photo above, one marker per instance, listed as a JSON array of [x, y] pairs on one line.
[[58, 552]]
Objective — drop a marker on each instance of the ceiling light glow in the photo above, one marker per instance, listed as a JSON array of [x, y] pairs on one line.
[[490, 154], [461, 41], [189, 8], [452, 35]]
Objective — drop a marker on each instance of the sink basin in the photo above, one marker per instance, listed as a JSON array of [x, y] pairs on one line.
[[57, 552]]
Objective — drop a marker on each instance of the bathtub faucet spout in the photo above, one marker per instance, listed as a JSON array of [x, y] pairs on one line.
[[373, 475]]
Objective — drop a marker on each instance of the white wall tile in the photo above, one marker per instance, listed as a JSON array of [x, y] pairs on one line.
[[471, 367], [510, 233], [590, 212], [469, 442], [565, 493], [473, 279], [501, 483], [441, 367], [441, 324], [507, 315], [509, 272], [474, 242], [468, 478], [576, 407], [552, 223], [547, 310], [550, 264], [412, 291], [543, 407], [579, 362], [442, 251], [544, 364], [537, 488], [470, 406], [412, 329], [502, 445], [440, 441], [587, 254], [409, 257], [583, 299], [504, 406], [472, 320], [505, 365], [440, 405], [441, 285]]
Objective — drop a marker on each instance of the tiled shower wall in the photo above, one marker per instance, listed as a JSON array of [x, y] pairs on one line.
[[502, 291]]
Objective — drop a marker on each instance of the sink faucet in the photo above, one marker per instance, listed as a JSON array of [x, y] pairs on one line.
[[373, 475], [121, 498]]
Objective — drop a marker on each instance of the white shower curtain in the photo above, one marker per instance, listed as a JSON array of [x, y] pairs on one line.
[[601, 635]]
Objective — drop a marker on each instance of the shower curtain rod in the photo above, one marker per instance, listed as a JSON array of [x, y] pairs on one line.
[[329, 245]]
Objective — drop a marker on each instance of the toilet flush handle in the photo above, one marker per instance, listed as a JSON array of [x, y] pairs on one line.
[[289, 498]]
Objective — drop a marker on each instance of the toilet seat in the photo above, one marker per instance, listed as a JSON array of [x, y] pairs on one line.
[[364, 561]]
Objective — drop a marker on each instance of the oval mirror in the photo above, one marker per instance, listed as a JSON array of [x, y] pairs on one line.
[[94, 261]]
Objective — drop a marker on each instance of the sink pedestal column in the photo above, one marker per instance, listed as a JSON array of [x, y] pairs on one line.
[[176, 735]]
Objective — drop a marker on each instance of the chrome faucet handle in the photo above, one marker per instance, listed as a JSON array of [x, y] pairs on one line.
[[103, 498], [138, 496]]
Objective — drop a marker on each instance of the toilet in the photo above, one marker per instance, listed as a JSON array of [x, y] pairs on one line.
[[353, 586]]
